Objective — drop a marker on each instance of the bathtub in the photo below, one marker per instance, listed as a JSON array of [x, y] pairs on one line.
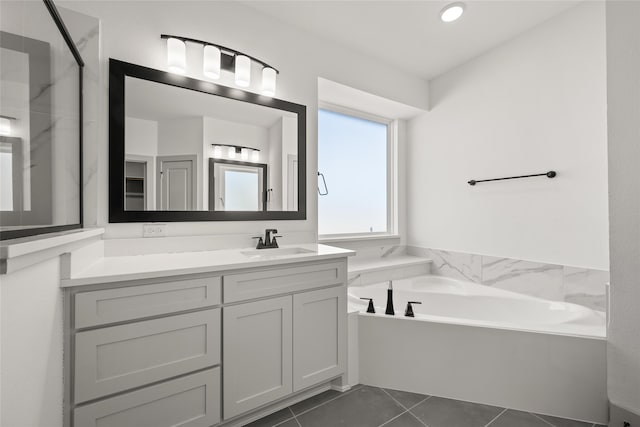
[[480, 344], [458, 302]]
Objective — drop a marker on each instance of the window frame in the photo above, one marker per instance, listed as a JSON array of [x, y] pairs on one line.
[[392, 176]]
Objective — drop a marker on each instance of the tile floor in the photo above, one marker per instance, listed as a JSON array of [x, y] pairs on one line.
[[365, 406]]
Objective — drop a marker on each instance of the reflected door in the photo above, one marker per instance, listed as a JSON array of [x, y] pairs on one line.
[[177, 183]]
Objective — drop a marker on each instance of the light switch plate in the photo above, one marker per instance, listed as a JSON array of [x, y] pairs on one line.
[[154, 230]]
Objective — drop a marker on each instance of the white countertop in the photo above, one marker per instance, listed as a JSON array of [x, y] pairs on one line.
[[116, 269]]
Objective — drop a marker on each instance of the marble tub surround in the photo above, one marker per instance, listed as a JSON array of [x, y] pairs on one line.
[[555, 282], [380, 263]]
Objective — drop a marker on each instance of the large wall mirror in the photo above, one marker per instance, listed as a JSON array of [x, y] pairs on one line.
[[182, 149]]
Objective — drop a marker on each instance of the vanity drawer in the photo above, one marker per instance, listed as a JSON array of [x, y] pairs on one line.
[[118, 358], [191, 401], [133, 302], [245, 286]]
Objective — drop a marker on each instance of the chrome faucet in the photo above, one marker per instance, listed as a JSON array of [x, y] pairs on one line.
[[269, 241]]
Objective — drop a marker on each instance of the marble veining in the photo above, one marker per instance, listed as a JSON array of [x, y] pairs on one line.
[[456, 265], [531, 278], [580, 286]]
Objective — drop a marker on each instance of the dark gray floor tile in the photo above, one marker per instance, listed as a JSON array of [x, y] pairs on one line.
[[275, 418], [405, 398], [440, 412], [513, 418], [314, 401], [563, 422], [291, 423], [599, 425], [364, 407], [405, 420]]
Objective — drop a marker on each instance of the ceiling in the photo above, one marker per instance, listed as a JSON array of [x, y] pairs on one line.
[[409, 34]]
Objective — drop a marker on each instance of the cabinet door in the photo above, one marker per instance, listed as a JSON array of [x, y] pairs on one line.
[[319, 336], [257, 353]]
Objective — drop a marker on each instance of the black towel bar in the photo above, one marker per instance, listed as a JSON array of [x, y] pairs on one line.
[[550, 174]]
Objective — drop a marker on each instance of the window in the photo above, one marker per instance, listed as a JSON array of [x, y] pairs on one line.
[[355, 172]]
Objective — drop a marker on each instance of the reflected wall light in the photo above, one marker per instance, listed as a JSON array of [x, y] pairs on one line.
[[5, 125], [235, 151], [216, 58]]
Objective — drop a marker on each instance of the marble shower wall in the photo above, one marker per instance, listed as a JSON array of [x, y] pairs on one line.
[[549, 281]]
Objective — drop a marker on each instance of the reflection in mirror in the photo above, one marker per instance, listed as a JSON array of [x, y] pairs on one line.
[[190, 151], [237, 186], [40, 129]]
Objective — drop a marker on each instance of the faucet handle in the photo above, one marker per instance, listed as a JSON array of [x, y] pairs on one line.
[[260, 242], [409, 311], [274, 242], [370, 307]]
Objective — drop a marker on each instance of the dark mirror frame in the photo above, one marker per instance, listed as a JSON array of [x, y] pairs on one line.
[[39, 76], [118, 71]]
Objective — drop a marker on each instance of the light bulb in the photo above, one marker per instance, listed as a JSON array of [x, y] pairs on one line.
[[244, 154], [243, 71], [176, 56], [452, 12], [231, 153], [255, 156], [217, 151], [211, 62], [5, 126], [268, 81]]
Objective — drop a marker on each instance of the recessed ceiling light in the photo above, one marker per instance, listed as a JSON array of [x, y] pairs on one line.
[[451, 12]]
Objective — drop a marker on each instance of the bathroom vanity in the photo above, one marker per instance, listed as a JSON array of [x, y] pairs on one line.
[[220, 339]]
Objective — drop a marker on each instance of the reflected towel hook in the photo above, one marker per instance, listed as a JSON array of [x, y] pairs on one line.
[[326, 189]]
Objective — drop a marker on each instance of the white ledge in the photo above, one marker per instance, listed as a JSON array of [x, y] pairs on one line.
[[379, 264], [16, 254]]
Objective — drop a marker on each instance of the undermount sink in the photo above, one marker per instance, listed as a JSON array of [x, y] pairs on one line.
[[276, 252]]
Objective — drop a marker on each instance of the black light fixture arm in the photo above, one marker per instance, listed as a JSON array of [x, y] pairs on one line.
[[223, 49], [237, 147], [550, 174]]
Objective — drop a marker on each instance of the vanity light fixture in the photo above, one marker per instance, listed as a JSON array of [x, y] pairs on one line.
[[215, 58], [234, 151], [5, 125], [211, 62], [452, 12], [176, 55]]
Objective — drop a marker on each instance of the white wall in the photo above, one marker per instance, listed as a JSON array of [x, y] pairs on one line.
[[534, 104], [141, 136], [623, 84], [130, 31], [31, 353]]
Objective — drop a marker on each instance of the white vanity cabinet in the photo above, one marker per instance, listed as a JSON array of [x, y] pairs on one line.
[[257, 346], [276, 346], [203, 349]]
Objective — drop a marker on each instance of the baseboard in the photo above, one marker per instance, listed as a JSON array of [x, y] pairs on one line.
[[618, 416], [340, 388]]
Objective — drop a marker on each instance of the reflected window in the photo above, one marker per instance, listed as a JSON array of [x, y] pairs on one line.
[[242, 190], [237, 186]]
